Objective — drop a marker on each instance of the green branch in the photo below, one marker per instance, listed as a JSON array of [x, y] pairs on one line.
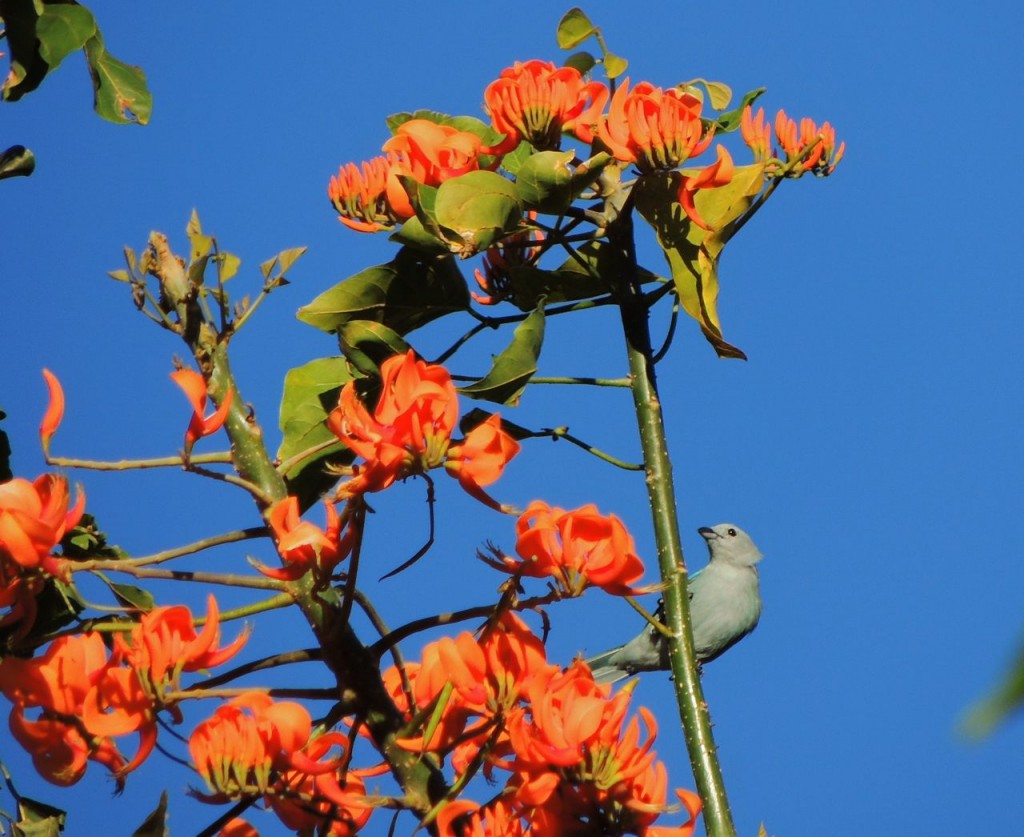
[[693, 711]]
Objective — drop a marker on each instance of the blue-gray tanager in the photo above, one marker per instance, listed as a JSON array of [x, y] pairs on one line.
[[725, 604]]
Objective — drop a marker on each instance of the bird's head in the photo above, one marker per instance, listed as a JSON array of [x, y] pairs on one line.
[[731, 545]]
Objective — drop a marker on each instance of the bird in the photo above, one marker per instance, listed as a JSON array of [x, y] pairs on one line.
[[725, 606]]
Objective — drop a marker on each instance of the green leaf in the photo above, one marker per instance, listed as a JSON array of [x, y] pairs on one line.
[[367, 345], [414, 234], [229, 264], [480, 208], [120, 91], [1005, 700], [403, 294], [730, 121], [286, 258], [61, 30], [512, 369], [719, 94], [155, 825], [516, 157], [583, 62], [545, 182], [692, 252], [575, 279], [132, 596], [310, 394], [17, 161], [38, 819], [614, 65], [574, 28], [28, 69]]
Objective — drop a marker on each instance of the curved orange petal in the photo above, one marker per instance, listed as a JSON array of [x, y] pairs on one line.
[[54, 411]]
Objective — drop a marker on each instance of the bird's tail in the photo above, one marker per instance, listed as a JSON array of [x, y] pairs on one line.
[[605, 667]]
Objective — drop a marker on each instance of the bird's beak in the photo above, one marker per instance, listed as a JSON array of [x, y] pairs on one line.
[[706, 533]]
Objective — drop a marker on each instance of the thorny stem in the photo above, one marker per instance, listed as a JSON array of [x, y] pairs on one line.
[[693, 711]]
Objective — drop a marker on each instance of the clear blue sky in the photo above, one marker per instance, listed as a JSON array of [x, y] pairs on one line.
[[870, 445]]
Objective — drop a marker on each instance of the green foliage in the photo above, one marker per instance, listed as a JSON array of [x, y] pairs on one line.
[[1007, 699], [367, 344], [573, 29], [41, 34], [308, 446], [512, 369], [404, 294], [692, 252], [476, 211], [730, 121], [155, 825]]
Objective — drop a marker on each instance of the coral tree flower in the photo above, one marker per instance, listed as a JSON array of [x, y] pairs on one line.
[[578, 549], [359, 195], [194, 386], [430, 154], [57, 683], [54, 411], [34, 516], [756, 133], [303, 545], [410, 431], [816, 146], [482, 456], [165, 643], [521, 248], [655, 129], [535, 101]]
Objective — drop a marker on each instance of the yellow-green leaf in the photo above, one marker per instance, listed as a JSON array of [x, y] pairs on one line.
[[574, 28]]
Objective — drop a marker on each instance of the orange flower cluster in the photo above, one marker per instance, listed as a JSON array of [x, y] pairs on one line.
[[305, 546], [578, 549], [410, 431], [819, 144], [34, 517], [815, 147], [194, 386], [255, 746], [371, 197], [536, 102], [655, 129], [575, 764], [521, 248], [86, 699]]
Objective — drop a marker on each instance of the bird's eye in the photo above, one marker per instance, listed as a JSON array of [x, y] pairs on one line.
[[732, 533]]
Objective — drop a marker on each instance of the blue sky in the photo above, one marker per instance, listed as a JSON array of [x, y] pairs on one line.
[[870, 445]]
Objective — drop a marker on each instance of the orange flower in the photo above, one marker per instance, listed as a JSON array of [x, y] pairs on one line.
[[535, 101], [494, 279], [194, 386], [54, 412], [303, 545], [57, 683], [818, 144], [329, 801], [359, 195], [165, 643], [756, 133], [482, 457], [430, 154], [241, 747], [238, 828], [717, 174], [463, 818], [578, 548], [410, 428], [34, 517], [655, 129]]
